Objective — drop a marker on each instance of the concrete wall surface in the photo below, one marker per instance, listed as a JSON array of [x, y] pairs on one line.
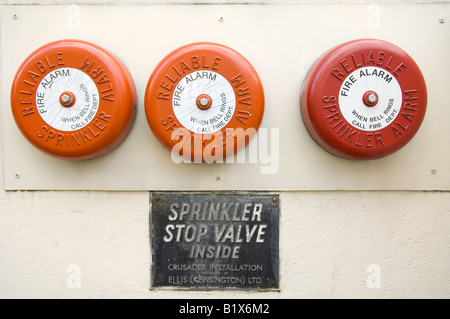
[[333, 243]]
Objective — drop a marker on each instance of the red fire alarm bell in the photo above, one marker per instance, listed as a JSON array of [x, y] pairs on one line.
[[364, 99]]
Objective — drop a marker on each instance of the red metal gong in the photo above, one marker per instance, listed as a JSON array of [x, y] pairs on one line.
[[364, 99]]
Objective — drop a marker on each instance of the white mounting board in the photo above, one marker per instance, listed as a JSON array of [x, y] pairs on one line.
[[281, 42]]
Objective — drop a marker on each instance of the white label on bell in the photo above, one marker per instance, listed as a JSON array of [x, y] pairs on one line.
[[65, 84], [380, 108], [204, 102]]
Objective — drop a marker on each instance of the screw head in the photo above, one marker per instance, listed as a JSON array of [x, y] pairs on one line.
[[204, 101], [370, 98], [65, 98]]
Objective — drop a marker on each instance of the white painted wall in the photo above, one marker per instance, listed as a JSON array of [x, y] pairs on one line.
[[329, 241]]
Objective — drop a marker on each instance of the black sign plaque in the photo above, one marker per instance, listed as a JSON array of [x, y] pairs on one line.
[[208, 241]]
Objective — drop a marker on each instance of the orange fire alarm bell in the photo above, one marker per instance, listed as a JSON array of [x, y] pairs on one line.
[[73, 100], [204, 102]]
